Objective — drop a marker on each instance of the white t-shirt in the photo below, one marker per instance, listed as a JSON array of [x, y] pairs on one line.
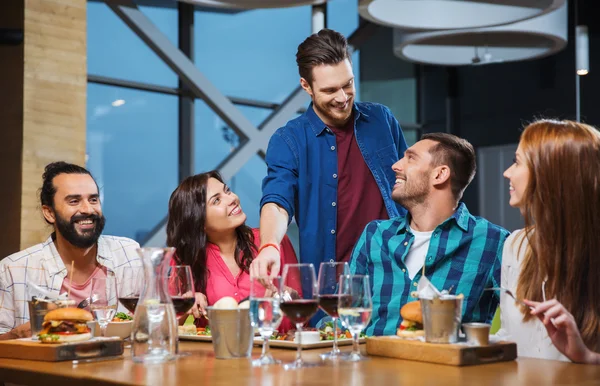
[[418, 250]]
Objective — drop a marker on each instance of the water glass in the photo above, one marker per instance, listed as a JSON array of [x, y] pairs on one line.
[[265, 313], [104, 299], [355, 307]]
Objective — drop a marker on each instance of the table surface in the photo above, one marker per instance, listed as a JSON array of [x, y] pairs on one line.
[[203, 368]]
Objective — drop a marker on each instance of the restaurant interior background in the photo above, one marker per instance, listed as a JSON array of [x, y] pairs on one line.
[[86, 84]]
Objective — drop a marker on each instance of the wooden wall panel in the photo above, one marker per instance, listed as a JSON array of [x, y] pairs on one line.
[[54, 82]]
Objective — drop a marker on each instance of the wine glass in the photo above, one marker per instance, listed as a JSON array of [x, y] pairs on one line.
[[104, 299], [182, 292], [354, 308], [130, 287], [265, 313], [181, 288], [329, 293], [298, 294]]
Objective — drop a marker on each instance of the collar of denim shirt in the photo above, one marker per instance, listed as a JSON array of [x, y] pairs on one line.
[[318, 126]]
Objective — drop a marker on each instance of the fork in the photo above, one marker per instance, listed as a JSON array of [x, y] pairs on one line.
[[509, 293], [86, 302]]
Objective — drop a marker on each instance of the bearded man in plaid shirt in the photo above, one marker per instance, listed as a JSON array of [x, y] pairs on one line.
[[438, 237], [71, 204]]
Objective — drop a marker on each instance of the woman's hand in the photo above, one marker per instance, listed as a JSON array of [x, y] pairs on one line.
[[199, 308], [563, 331]]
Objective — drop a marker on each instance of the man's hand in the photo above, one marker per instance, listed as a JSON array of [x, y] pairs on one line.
[[266, 263], [562, 330], [22, 331]]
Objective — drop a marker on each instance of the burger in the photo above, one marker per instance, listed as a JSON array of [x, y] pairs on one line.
[[66, 325], [412, 320]]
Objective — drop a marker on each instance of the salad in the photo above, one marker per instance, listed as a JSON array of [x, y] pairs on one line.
[[326, 332], [122, 317]]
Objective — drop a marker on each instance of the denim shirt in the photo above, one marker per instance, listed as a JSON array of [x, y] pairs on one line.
[[302, 172]]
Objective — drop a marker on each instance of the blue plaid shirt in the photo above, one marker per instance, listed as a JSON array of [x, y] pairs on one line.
[[465, 252]]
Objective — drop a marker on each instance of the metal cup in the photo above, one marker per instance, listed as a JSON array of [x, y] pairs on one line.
[[441, 318], [231, 331], [478, 334], [37, 310]]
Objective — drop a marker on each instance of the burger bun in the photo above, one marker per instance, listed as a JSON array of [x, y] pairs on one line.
[[410, 334], [412, 312], [66, 338], [70, 313]]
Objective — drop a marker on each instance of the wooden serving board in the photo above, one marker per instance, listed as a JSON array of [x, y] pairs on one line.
[[34, 350], [447, 354]]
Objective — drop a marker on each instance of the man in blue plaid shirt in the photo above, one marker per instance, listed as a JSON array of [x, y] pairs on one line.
[[438, 236]]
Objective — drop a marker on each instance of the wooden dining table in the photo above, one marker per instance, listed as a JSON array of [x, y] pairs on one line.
[[202, 368]]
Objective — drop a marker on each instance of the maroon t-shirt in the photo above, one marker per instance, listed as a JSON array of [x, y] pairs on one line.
[[359, 199]]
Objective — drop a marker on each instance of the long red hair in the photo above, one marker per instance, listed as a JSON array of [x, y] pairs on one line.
[[561, 206]]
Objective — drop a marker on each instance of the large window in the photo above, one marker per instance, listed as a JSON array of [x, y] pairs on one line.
[[133, 101], [132, 153]]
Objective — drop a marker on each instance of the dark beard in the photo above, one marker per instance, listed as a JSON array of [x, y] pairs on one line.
[[337, 123], [88, 239]]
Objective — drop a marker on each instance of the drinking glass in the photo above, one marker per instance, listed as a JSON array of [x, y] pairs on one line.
[[131, 284], [104, 299], [265, 313], [329, 294], [181, 288], [182, 291], [298, 293], [354, 308]]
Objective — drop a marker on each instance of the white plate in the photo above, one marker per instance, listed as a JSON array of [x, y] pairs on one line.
[[293, 345], [197, 338]]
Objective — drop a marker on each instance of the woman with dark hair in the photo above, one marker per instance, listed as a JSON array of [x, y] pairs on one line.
[[555, 182], [207, 227]]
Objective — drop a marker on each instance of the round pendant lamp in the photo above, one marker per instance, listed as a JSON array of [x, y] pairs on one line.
[[253, 4], [452, 14], [530, 39]]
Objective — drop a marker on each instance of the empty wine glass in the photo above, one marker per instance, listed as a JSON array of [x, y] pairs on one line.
[[265, 313], [299, 303], [131, 284], [104, 299], [329, 293], [355, 307]]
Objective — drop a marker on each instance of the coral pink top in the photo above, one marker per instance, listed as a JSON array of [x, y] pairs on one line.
[[221, 282]]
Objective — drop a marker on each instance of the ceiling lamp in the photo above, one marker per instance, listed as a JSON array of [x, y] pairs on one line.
[[253, 4], [530, 39], [452, 14]]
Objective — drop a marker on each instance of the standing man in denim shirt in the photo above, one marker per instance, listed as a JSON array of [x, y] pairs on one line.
[[330, 168]]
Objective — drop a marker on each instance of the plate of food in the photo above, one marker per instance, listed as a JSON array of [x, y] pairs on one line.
[[191, 332], [311, 338]]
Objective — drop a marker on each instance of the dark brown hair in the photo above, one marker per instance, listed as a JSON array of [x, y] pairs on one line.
[[561, 207], [185, 229], [459, 155], [325, 47]]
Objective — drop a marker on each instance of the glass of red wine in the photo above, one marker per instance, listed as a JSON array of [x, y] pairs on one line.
[[181, 288], [329, 294], [131, 284], [298, 301], [182, 291]]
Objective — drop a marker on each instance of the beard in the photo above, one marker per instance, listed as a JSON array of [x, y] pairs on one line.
[[334, 117], [81, 240], [413, 193]]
